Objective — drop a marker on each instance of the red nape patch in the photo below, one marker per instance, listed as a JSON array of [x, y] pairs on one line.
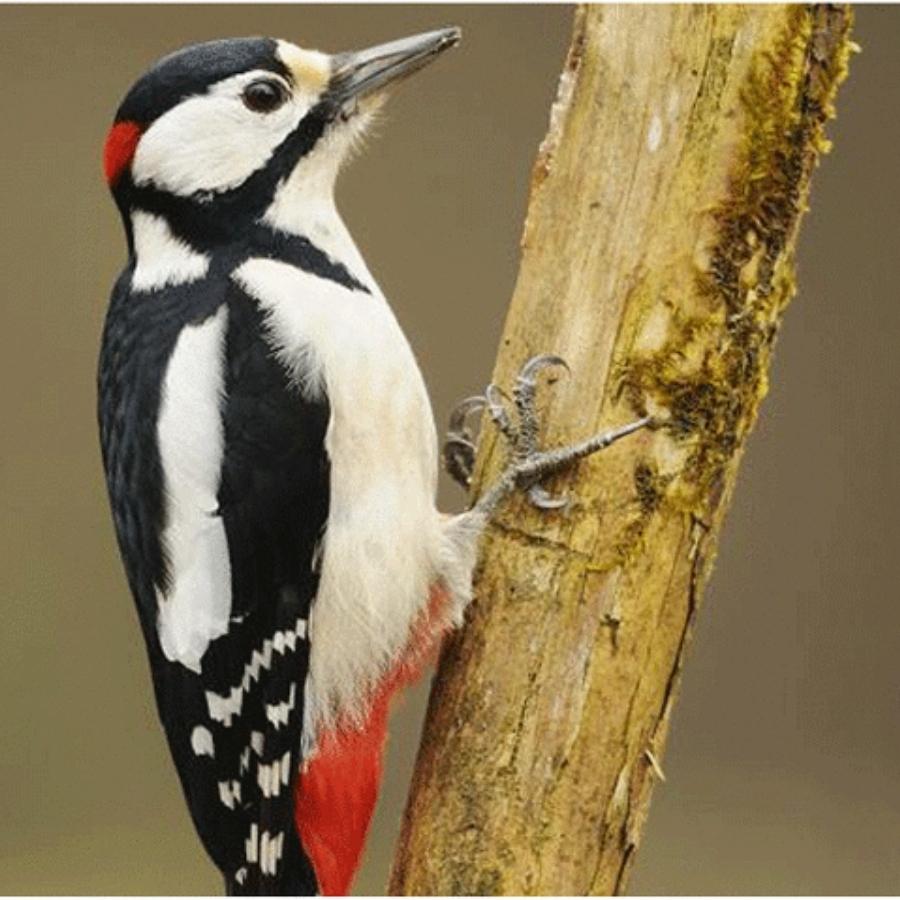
[[119, 149], [337, 789]]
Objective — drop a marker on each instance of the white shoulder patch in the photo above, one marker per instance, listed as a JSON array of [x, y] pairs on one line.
[[161, 258], [197, 606]]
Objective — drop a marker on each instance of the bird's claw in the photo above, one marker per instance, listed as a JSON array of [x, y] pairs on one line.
[[524, 395], [459, 446], [529, 465], [544, 500], [496, 408], [521, 436], [457, 423], [534, 365]]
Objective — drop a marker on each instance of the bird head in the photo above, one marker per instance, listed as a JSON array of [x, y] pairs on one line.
[[220, 127]]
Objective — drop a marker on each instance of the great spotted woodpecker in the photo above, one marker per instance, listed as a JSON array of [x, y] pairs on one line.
[[270, 451]]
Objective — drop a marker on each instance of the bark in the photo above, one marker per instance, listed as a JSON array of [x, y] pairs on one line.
[[657, 259]]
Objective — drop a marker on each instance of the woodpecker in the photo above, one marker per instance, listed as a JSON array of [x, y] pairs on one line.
[[270, 451]]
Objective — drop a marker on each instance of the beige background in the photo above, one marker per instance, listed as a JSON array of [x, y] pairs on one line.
[[784, 765]]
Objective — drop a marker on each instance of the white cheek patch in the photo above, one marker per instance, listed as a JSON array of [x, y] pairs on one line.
[[212, 141], [196, 608]]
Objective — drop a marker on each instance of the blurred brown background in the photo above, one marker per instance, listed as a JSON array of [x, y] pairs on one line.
[[784, 764]]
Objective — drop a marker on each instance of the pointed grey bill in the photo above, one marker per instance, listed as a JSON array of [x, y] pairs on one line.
[[356, 74]]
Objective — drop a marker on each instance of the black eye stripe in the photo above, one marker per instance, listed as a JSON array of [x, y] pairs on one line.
[[264, 95]]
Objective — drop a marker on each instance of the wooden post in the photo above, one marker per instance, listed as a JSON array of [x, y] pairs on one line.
[[657, 259]]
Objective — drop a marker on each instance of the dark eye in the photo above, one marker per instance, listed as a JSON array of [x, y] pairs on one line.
[[264, 96]]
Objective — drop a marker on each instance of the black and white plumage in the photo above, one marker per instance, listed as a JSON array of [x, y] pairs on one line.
[[267, 438], [271, 455]]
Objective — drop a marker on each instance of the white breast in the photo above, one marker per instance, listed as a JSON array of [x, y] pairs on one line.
[[383, 542]]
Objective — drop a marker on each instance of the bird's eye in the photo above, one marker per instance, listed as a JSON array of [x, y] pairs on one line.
[[264, 96]]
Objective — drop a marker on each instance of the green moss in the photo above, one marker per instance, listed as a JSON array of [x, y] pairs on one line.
[[646, 483], [711, 375], [650, 488]]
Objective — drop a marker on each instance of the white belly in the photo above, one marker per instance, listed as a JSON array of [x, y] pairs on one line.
[[383, 540]]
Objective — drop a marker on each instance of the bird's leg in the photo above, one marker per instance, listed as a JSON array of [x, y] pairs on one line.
[[528, 464]]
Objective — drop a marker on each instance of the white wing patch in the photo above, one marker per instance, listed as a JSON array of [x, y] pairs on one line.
[[202, 742], [286, 767], [230, 793], [257, 742], [251, 845], [224, 707], [265, 849], [278, 713], [196, 607], [270, 849], [269, 777]]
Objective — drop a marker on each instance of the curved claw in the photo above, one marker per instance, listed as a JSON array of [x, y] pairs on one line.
[[463, 410], [524, 394], [458, 451], [536, 363], [496, 408], [458, 455], [544, 500], [495, 398]]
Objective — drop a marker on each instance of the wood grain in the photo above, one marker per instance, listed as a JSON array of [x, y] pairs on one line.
[[657, 259]]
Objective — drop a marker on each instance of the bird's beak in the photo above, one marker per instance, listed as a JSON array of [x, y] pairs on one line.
[[357, 74]]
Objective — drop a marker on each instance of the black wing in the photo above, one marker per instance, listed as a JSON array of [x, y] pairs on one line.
[[234, 729]]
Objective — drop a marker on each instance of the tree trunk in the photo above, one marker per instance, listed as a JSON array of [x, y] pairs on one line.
[[658, 261]]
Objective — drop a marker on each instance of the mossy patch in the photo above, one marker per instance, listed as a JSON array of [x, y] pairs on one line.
[[646, 483], [710, 375]]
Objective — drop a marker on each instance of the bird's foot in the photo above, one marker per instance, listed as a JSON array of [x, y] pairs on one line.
[[529, 465], [459, 444]]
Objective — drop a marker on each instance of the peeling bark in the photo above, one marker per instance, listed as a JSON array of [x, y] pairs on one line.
[[657, 259]]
